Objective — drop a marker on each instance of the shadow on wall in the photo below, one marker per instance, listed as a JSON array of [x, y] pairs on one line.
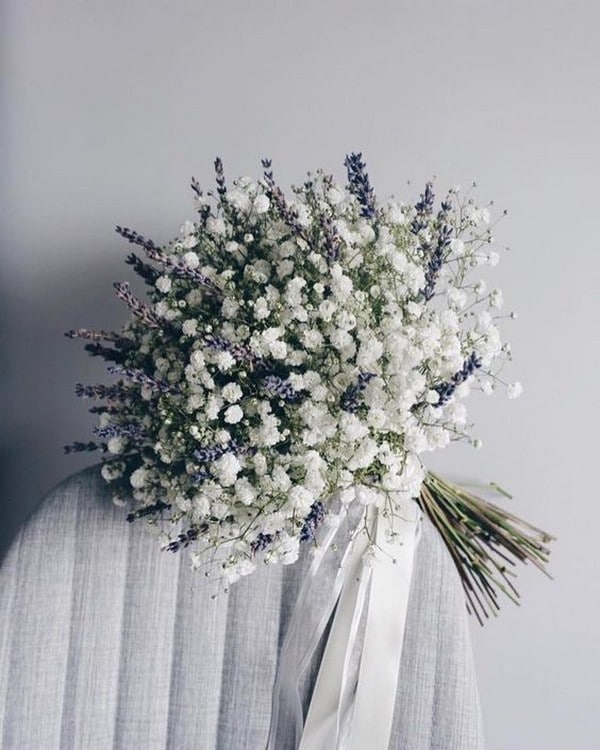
[[40, 367]]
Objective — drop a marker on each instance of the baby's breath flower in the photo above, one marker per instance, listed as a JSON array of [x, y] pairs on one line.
[[496, 299], [163, 284], [191, 259], [190, 327], [231, 392], [116, 445], [261, 204], [514, 390], [138, 478], [233, 414]]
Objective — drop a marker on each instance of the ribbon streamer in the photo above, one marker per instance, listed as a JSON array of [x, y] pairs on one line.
[[353, 700]]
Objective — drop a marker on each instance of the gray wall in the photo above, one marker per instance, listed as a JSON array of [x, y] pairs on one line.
[[109, 108]]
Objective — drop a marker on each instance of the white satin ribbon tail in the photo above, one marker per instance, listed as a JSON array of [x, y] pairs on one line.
[[352, 705]]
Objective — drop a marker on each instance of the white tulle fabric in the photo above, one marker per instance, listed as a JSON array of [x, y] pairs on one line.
[[352, 705]]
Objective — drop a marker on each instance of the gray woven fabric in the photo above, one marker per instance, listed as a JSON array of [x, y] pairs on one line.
[[105, 642]]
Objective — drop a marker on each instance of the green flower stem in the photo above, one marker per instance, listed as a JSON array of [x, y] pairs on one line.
[[483, 541]]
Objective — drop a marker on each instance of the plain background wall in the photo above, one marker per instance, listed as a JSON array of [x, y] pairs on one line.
[[108, 109]]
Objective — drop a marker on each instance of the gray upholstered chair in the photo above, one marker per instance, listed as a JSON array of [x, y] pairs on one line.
[[105, 642]]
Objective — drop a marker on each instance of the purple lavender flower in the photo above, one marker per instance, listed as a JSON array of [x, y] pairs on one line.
[[423, 207], [220, 177], [425, 204], [331, 240], [204, 209], [136, 239], [261, 542], [140, 377], [104, 409], [350, 398], [209, 453], [239, 351], [445, 390], [360, 186], [195, 185], [186, 538], [312, 521], [147, 272], [96, 349], [105, 352], [277, 386], [275, 194], [84, 333], [139, 309], [129, 431], [176, 267], [111, 392], [199, 477], [436, 261]]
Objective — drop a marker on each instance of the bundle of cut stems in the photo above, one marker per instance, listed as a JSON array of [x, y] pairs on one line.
[[484, 541]]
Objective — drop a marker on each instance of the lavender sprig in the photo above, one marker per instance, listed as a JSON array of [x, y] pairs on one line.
[[261, 542], [144, 270], [137, 239], [142, 378], [360, 186], [178, 268], [204, 208], [195, 185], [130, 431], [275, 194], [424, 208], [436, 260], [220, 177], [425, 204], [147, 316], [175, 266], [84, 333], [445, 390], [332, 241], [312, 521], [199, 477], [209, 454], [111, 392], [107, 354], [277, 386], [238, 351], [350, 398], [186, 538], [104, 409], [148, 510]]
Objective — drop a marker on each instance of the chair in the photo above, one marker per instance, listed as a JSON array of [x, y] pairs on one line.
[[107, 642]]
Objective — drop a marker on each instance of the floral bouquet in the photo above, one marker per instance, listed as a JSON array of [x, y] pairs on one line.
[[293, 348]]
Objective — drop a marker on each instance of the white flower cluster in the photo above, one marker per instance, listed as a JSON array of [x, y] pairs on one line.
[[304, 347]]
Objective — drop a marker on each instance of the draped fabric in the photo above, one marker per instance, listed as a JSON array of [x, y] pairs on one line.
[[108, 643]]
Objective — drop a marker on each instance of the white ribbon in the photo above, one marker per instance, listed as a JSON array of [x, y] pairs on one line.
[[384, 635], [286, 714], [353, 700]]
